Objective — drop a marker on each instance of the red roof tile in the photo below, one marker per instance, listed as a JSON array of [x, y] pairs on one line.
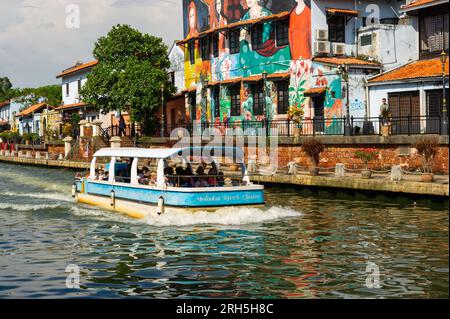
[[345, 60], [315, 91], [418, 3], [5, 103], [70, 106], [77, 68], [33, 108], [414, 70]]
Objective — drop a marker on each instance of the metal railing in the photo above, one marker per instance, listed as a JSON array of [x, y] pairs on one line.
[[403, 125]]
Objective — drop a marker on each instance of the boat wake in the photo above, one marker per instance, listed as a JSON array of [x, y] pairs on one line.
[[52, 196], [27, 207], [222, 216]]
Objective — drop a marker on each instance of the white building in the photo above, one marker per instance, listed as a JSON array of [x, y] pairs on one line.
[[415, 89]]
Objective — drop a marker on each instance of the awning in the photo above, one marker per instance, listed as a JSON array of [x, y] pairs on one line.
[[241, 24], [189, 90], [342, 12], [312, 92]]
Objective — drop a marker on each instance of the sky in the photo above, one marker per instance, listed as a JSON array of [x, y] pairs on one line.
[[40, 38]]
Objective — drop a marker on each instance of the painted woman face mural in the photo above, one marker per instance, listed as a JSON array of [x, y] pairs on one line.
[[192, 17]]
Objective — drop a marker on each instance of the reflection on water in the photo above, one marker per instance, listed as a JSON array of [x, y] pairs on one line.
[[307, 244]]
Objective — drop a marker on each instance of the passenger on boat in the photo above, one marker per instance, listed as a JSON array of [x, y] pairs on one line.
[[168, 172], [212, 180], [152, 181], [101, 174], [143, 176], [201, 177], [220, 179]]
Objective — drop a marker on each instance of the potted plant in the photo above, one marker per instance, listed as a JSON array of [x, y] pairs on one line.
[[296, 114], [27, 138], [313, 148], [366, 155], [427, 148], [385, 122]]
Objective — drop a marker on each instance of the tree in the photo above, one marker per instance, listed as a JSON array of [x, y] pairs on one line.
[[5, 85], [51, 94], [131, 70]]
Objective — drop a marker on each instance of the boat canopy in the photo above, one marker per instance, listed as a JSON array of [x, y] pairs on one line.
[[161, 153]]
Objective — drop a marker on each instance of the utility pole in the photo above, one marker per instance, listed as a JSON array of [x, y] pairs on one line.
[[162, 110]]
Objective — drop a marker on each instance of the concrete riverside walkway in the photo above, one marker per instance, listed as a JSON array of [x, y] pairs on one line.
[[410, 184]]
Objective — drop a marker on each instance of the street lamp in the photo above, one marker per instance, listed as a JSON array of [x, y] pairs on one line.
[[444, 122], [343, 71], [162, 110], [264, 76]]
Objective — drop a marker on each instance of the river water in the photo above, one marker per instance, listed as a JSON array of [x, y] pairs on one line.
[[307, 244]]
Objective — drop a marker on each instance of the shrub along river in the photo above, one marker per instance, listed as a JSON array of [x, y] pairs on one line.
[[306, 244]]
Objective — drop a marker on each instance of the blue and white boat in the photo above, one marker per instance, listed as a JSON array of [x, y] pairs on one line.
[[123, 189]]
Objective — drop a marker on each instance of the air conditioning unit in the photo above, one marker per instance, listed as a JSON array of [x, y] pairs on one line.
[[338, 48], [321, 34], [321, 47]]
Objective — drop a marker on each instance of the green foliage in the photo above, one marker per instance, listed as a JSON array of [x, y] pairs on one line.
[[427, 148], [132, 68], [30, 137], [313, 148], [366, 155], [67, 129], [5, 85], [10, 137], [51, 94]]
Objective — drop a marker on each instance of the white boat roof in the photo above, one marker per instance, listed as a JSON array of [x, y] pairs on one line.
[[166, 152]]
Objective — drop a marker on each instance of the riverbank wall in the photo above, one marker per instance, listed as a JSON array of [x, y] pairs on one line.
[[380, 182]]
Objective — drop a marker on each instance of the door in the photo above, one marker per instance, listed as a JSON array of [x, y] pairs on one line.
[[405, 112], [319, 120]]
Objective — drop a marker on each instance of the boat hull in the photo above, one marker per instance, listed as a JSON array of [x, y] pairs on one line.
[[138, 201]]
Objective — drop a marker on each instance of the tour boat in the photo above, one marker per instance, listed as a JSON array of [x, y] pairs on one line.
[[125, 190]]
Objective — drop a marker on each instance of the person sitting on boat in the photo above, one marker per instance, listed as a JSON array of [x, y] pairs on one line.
[[142, 177], [201, 179], [101, 174], [168, 173], [179, 171], [188, 180], [220, 179], [228, 182], [212, 180], [152, 180]]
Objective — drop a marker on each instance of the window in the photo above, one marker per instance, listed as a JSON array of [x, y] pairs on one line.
[[256, 34], [282, 32], [234, 41], [191, 48], [215, 44], [67, 88], [79, 85], [283, 96], [172, 77], [204, 48], [235, 92], [258, 98], [336, 28], [434, 33], [193, 105], [216, 100]]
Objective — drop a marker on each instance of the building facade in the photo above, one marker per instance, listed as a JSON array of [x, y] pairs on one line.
[[415, 89], [249, 61]]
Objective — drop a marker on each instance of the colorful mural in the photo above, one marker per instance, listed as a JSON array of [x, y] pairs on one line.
[[293, 56]]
